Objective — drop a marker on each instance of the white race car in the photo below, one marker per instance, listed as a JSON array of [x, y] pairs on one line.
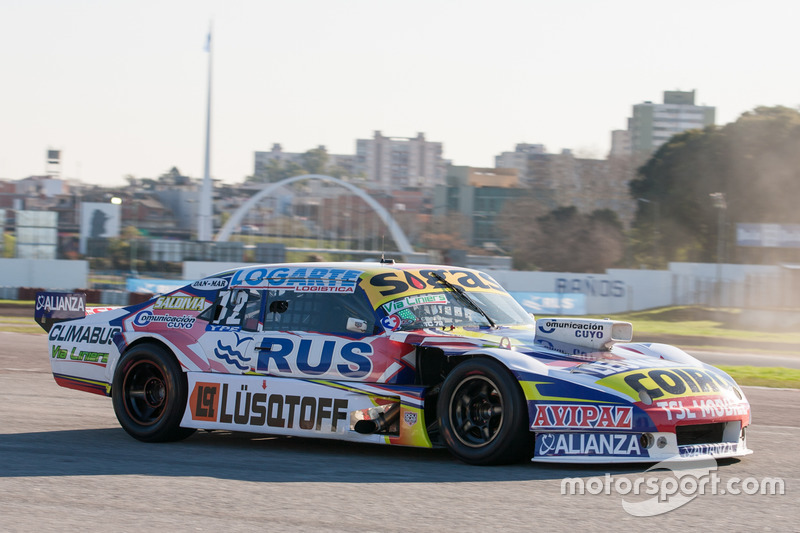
[[411, 355]]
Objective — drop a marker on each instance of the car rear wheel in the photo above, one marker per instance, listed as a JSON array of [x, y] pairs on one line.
[[149, 395], [483, 415]]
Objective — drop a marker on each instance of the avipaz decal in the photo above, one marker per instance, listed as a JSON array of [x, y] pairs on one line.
[[314, 357], [670, 383], [608, 444], [582, 416], [213, 403], [298, 279], [398, 282]]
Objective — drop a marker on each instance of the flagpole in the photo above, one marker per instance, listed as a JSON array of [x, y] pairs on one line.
[[205, 227]]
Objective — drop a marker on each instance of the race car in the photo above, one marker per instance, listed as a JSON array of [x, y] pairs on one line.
[[399, 354]]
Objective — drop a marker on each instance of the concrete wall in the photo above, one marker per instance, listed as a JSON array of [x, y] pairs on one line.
[[44, 273], [616, 291]]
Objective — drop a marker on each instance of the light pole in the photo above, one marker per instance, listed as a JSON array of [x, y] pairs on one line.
[[718, 199]]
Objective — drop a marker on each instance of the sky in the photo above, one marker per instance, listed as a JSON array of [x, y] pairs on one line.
[[120, 86]]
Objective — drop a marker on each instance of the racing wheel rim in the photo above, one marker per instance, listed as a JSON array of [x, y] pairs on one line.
[[476, 411], [145, 392]]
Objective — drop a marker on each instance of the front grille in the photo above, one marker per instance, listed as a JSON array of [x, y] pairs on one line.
[[700, 434]]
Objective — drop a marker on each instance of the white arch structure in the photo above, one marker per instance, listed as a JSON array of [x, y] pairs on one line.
[[394, 228]]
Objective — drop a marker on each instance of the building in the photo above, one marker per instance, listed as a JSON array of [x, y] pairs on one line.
[[563, 180], [478, 195], [653, 124], [397, 162], [520, 159], [620, 143]]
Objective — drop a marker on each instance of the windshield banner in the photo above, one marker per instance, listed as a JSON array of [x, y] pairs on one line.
[[393, 284]]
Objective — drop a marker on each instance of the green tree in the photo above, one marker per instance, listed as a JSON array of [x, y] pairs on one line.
[[562, 240], [315, 161], [754, 162]]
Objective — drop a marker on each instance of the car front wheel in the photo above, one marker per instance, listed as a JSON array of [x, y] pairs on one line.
[[483, 415]]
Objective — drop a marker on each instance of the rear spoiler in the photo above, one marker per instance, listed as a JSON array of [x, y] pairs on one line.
[[53, 307]]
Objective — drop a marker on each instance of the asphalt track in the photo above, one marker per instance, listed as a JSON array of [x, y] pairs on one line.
[[65, 464]]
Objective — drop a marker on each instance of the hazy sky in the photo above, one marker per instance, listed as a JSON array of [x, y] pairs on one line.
[[120, 86]]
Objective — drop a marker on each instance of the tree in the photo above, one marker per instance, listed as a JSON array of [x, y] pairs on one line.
[[315, 161], [562, 240], [754, 162]]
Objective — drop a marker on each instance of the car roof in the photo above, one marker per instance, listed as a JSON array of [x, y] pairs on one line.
[[370, 268]]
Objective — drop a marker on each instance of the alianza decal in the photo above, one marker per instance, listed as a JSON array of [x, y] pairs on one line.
[[60, 302], [607, 444]]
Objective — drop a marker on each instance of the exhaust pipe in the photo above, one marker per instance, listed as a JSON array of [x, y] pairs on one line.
[[381, 423]]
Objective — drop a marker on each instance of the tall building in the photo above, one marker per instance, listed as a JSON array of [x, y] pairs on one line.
[[563, 180], [620, 143], [396, 162], [653, 124], [478, 196], [520, 159]]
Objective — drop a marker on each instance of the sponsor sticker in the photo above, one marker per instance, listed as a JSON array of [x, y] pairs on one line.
[[219, 402], [668, 383], [582, 416], [386, 286], [180, 303], [314, 357], [86, 334], [298, 279], [591, 444], [210, 284], [411, 301], [146, 318]]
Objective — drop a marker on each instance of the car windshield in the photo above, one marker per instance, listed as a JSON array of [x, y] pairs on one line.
[[447, 308]]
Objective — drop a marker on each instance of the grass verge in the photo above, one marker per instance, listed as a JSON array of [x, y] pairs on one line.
[[763, 376], [699, 322]]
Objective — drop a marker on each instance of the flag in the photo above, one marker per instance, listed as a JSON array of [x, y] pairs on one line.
[[208, 43]]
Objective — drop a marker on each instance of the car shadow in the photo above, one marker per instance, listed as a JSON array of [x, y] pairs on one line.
[[258, 458]]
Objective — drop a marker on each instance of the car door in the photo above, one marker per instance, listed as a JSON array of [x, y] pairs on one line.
[[319, 335]]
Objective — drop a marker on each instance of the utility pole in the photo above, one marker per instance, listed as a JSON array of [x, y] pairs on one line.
[[204, 219]]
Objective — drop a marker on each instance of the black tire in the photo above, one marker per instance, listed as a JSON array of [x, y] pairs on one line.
[[483, 415], [149, 394]]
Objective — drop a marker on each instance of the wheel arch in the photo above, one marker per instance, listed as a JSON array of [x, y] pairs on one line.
[[142, 339], [516, 364]]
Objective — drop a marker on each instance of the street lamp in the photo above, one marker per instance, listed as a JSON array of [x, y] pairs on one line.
[[718, 199]]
